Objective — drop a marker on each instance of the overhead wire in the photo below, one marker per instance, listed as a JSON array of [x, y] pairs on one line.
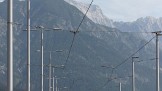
[[116, 31], [85, 15], [134, 53], [74, 36], [75, 32], [148, 32], [109, 80]]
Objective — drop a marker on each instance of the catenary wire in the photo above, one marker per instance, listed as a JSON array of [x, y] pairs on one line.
[[101, 31], [109, 80], [34, 26], [75, 32], [134, 53]]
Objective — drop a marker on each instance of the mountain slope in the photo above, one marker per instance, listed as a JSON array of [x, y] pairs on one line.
[[91, 50], [95, 13]]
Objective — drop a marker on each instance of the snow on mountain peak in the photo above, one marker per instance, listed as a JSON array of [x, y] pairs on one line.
[[95, 12]]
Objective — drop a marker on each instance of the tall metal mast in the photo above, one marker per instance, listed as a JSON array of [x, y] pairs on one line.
[[28, 45], [120, 87], [10, 46], [133, 76], [50, 72], [158, 33]]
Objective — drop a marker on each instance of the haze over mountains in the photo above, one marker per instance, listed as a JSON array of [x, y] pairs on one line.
[[96, 44], [143, 24]]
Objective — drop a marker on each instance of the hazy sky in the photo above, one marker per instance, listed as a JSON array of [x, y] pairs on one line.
[[129, 10]]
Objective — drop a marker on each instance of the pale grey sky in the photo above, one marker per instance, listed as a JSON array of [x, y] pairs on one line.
[[129, 10]]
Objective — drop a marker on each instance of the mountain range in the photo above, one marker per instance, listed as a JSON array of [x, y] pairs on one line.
[[144, 24], [95, 45]]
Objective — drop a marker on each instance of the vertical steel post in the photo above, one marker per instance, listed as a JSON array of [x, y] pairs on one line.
[[56, 84], [53, 79], [120, 87], [10, 46], [133, 75], [50, 72], [157, 64], [28, 45], [158, 33], [42, 65], [53, 85], [133, 80]]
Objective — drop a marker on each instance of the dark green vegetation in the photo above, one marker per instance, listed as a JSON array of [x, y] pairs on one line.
[[90, 51]]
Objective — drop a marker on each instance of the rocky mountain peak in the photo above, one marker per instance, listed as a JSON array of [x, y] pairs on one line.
[[90, 50], [148, 19], [95, 13], [144, 24]]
